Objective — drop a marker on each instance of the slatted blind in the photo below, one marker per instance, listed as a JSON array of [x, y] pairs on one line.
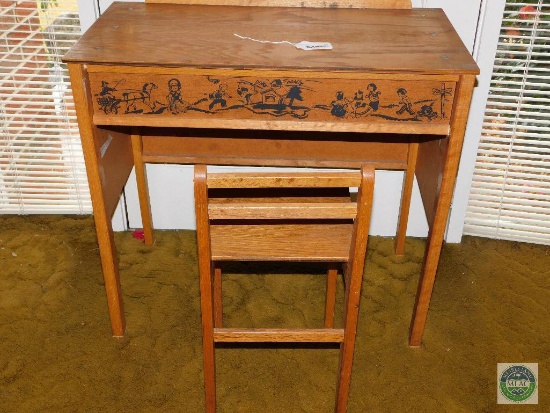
[[41, 164], [510, 195]]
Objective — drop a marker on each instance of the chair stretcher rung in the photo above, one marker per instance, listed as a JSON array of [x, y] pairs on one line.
[[262, 335]]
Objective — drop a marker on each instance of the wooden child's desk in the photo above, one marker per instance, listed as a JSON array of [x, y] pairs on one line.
[[170, 83]]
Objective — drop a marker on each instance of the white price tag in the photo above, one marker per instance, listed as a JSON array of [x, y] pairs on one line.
[[305, 45]]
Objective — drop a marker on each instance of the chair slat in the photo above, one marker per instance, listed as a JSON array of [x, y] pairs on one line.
[[284, 180], [281, 242], [283, 211]]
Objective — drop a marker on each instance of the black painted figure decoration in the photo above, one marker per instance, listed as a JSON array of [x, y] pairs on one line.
[[422, 101]]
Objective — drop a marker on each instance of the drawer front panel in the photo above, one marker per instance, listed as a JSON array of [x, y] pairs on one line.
[[274, 98]]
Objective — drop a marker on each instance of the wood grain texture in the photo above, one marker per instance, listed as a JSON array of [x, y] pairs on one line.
[[282, 149], [267, 72], [365, 40], [278, 335], [406, 195], [429, 172], [354, 279], [307, 242], [330, 300], [102, 214], [265, 196], [274, 125], [283, 180], [445, 194], [206, 287], [115, 165], [378, 4], [245, 243], [143, 190], [217, 298], [283, 211], [234, 237], [283, 97]]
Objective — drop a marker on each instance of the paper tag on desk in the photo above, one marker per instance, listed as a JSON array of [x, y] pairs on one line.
[[305, 45]]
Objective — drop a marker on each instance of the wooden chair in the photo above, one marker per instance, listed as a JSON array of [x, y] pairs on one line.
[[242, 217]]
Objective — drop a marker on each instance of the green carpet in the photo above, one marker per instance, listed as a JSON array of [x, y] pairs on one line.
[[490, 305]]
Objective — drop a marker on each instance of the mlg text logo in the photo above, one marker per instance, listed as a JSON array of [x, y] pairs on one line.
[[517, 383]]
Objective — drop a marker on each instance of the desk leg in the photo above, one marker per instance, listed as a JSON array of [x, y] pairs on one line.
[[108, 162], [143, 191], [436, 188], [109, 264], [408, 181]]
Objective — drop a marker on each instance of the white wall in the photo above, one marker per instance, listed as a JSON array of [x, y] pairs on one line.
[[88, 13], [171, 185], [484, 53]]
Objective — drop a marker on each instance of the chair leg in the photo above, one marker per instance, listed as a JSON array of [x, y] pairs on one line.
[[207, 313], [354, 278], [331, 295], [347, 348], [206, 276], [209, 374], [218, 308]]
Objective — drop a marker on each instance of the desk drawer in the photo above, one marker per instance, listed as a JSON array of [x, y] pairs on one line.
[[159, 97]]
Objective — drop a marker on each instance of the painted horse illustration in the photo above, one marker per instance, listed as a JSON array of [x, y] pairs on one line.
[[134, 97]]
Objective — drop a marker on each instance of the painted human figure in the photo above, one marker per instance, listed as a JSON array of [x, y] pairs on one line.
[[106, 98], [339, 105], [218, 97], [359, 104], [175, 102], [106, 90], [426, 111], [245, 90], [405, 102], [373, 96]]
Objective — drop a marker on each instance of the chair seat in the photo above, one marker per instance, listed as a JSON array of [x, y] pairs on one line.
[[304, 242]]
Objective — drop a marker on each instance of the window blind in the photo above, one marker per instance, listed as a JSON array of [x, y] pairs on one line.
[[510, 195], [41, 163]]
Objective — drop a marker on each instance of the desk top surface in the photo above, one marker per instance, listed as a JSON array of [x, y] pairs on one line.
[[412, 41]]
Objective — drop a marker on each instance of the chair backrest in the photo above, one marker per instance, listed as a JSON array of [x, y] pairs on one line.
[[359, 4], [281, 196], [291, 198]]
